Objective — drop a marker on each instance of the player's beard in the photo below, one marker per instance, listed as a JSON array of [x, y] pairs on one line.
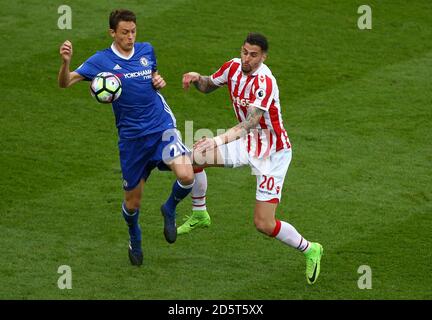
[[128, 46], [246, 68]]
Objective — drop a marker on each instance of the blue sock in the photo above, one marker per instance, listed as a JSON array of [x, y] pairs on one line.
[[131, 219], [178, 193]]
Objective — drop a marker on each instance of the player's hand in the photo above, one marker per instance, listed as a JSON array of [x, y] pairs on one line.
[[204, 144], [188, 78], [66, 51], [158, 81]]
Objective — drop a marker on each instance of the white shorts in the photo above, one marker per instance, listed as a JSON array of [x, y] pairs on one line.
[[270, 172]]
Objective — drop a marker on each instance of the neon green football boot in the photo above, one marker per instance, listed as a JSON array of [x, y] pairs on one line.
[[198, 219], [313, 258]]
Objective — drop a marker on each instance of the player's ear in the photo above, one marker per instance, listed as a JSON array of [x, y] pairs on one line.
[[264, 56], [112, 33]]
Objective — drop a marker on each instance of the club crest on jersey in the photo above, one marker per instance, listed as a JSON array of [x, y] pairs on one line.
[[262, 78], [144, 61]]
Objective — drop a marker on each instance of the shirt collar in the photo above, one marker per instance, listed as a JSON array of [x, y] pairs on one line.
[[117, 53], [257, 70]]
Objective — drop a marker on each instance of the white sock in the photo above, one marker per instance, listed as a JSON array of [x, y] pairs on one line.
[[290, 236], [199, 190]]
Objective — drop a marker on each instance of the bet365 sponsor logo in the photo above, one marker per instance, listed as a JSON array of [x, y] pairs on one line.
[[242, 102]]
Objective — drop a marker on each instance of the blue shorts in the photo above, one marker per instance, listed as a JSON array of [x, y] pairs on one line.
[[138, 157]]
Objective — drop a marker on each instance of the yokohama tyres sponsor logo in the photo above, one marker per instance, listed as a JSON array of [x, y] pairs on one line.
[[142, 73]]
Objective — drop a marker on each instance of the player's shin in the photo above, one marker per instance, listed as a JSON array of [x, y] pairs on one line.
[[178, 193], [286, 233], [131, 218], [199, 190]]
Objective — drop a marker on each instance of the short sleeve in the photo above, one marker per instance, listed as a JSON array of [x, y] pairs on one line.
[[262, 93], [89, 69], [220, 77]]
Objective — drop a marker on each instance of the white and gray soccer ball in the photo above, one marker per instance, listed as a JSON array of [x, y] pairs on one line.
[[106, 87]]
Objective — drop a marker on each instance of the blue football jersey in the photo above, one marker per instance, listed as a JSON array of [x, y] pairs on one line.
[[141, 109]]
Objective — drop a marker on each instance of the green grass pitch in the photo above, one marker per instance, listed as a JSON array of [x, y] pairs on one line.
[[357, 108]]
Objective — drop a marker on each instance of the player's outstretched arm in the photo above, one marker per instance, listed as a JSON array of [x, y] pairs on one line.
[[202, 83], [234, 133], [65, 77]]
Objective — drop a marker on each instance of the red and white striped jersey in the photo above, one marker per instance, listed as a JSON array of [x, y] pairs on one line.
[[258, 90]]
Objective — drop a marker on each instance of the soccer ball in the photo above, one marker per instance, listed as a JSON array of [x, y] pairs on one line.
[[106, 87]]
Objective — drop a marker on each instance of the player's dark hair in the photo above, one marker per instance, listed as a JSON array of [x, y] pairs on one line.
[[120, 15], [258, 40]]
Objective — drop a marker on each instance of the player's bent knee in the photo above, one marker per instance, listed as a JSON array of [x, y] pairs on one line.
[[264, 226], [132, 202], [132, 205], [186, 177]]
